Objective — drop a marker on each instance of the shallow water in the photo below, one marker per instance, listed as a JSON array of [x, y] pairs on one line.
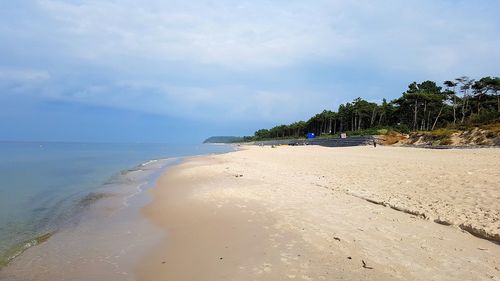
[[45, 188]]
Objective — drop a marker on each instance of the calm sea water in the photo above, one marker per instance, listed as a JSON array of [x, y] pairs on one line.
[[45, 185]]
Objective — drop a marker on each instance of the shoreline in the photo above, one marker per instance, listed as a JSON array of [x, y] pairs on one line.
[[288, 213], [108, 189], [81, 202], [105, 235]]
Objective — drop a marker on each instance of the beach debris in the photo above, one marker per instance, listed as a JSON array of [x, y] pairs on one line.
[[336, 238], [365, 266], [482, 249], [238, 175], [220, 258], [163, 262], [349, 258]]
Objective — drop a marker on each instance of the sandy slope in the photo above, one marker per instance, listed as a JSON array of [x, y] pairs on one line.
[[297, 213]]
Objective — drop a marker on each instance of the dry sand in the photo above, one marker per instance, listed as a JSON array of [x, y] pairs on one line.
[[304, 213]]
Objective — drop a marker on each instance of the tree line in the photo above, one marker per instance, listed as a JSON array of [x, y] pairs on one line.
[[422, 107]]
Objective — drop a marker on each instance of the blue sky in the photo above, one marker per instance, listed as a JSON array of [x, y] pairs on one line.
[[162, 71]]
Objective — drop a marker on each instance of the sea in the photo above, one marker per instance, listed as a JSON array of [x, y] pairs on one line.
[[48, 188]]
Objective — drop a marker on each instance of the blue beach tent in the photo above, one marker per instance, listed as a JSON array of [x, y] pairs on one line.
[[311, 136]]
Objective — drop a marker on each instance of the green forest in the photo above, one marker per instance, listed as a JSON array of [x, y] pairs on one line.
[[458, 103]]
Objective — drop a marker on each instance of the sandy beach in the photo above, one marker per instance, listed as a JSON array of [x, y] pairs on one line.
[[316, 213]]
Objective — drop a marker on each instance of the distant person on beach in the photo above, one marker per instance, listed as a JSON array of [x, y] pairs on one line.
[[374, 143]]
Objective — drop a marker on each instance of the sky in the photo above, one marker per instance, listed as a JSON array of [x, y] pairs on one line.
[[175, 71]]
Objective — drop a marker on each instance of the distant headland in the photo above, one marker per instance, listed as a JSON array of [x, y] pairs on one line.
[[223, 139]]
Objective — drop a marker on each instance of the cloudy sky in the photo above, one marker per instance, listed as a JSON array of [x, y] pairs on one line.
[[160, 71]]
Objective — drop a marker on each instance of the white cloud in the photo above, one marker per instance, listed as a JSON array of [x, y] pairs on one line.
[[247, 33], [433, 36], [186, 58]]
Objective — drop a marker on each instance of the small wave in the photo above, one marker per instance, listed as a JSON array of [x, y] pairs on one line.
[[144, 166], [149, 162], [138, 191]]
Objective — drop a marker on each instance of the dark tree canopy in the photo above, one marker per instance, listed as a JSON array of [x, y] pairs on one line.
[[423, 106]]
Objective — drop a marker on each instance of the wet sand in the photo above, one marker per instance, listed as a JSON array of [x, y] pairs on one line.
[[104, 240], [316, 213]]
